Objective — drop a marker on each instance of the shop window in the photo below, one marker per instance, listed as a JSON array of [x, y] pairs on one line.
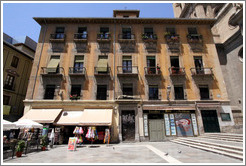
[[225, 116], [153, 92], [192, 31], [75, 91], [78, 64], [127, 90], [6, 100], [126, 33], [49, 92], [127, 64], [15, 61], [9, 82], [101, 92], [179, 92], [204, 92]]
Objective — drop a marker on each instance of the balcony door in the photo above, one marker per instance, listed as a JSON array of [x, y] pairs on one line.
[[175, 64], [126, 33], [198, 65], [151, 64], [127, 91], [78, 64], [127, 64]]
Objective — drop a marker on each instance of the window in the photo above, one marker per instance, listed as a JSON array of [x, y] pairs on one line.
[[153, 92], [14, 62], [60, 32], [204, 92], [49, 92], [148, 31], [127, 90], [101, 92], [151, 64], [104, 33], [198, 65], [179, 92], [6, 100], [225, 116], [9, 82], [126, 33], [53, 66], [83, 32], [192, 31], [171, 30], [78, 64], [127, 64], [75, 90], [174, 61]]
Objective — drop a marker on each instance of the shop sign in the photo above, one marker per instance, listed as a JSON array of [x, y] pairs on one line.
[[173, 128], [145, 116], [194, 123], [167, 124], [154, 111], [72, 143]]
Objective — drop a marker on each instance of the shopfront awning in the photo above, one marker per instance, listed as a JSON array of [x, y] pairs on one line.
[[97, 117], [42, 115], [70, 118]]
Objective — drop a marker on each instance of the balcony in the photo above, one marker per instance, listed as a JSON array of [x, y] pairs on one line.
[[57, 37], [103, 37], [102, 71], [152, 71], [77, 71], [9, 87], [176, 71], [194, 38], [126, 37], [131, 71], [201, 71], [149, 37], [172, 38], [80, 37], [127, 97], [52, 71]]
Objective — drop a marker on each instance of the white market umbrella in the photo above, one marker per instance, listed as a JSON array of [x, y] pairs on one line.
[[8, 125], [27, 123]]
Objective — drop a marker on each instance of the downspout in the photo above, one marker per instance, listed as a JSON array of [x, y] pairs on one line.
[[114, 59], [39, 58]]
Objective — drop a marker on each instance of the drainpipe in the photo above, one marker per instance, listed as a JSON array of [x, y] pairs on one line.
[[114, 58], [39, 58]]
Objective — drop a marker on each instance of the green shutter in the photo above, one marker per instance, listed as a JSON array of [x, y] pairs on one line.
[[102, 65], [53, 64], [79, 59]]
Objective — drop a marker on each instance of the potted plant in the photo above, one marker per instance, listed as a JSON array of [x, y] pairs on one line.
[[144, 36], [74, 97], [20, 148], [44, 142]]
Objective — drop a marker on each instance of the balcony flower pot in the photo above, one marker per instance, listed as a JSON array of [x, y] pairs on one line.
[[43, 148], [74, 97], [18, 154]]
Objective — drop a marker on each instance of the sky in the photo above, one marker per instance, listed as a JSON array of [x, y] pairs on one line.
[[18, 17]]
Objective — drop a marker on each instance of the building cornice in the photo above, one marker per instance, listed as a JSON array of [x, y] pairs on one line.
[[67, 20]]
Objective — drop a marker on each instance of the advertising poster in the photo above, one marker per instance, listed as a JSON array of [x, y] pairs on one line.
[[146, 125], [72, 143], [183, 123], [193, 117], [167, 124], [172, 123]]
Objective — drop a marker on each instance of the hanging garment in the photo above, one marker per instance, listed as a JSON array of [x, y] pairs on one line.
[[81, 130], [88, 135]]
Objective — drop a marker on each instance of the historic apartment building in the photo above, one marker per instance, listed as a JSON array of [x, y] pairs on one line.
[[227, 33], [147, 79], [17, 65]]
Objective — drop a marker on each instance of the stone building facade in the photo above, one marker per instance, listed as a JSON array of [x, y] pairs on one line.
[[228, 38], [17, 65], [160, 77]]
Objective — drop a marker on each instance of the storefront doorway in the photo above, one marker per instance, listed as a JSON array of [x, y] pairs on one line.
[[128, 125], [210, 121], [156, 127]]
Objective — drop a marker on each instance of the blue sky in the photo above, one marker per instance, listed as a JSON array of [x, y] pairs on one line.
[[18, 17]]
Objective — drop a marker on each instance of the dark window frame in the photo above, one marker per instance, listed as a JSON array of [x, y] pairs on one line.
[[179, 92], [9, 82], [75, 90], [102, 91], [155, 95], [225, 116], [203, 94], [15, 61], [6, 100], [49, 92]]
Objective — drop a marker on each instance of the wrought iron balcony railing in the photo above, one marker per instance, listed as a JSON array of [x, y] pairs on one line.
[[176, 70], [194, 38], [201, 71], [152, 70], [80, 37], [103, 36], [104, 71], [57, 36], [149, 37], [172, 38], [127, 36], [52, 71], [127, 70], [77, 70]]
